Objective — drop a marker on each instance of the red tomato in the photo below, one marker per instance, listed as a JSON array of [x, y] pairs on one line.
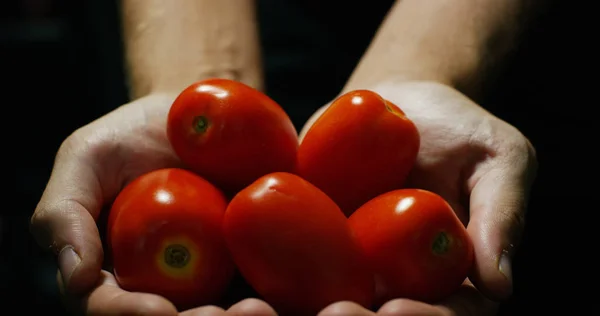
[[230, 133], [165, 237], [415, 243], [293, 245], [360, 147]]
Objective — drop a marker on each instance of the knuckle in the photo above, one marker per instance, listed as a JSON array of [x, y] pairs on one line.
[[533, 156], [520, 155], [71, 144], [40, 228], [513, 217], [89, 142], [527, 163], [522, 144], [51, 222]]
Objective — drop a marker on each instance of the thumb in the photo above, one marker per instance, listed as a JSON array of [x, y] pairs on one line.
[[64, 221], [497, 220]]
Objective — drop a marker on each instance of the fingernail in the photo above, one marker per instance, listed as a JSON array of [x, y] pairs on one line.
[[505, 266], [68, 260]]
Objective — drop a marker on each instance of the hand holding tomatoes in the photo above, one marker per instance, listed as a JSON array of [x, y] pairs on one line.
[[282, 228], [173, 233], [484, 168], [91, 168]]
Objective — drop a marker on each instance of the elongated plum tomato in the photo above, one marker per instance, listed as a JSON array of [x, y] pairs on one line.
[[230, 133], [292, 243], [164, 234], [360, 147], [415, 243]]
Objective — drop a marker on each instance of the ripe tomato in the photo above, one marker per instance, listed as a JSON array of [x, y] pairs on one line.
[[415, 243], [230, 133], [164, 234], [360, 147], [294, 247]]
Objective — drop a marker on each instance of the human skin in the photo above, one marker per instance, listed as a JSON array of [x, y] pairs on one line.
[[429, 57], [168, 45]]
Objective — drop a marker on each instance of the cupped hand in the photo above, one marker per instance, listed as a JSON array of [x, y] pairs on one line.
[[484, 168], [106, 298], [92, 165]]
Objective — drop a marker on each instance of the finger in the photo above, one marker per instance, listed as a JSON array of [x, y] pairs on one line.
[[345, 308], [108, 299], [251, 307], [63, 221], [204, 311], [468, 301], [406, 307], [497, 219]]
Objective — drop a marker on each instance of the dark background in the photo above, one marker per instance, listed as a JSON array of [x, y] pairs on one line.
[[61, 67]]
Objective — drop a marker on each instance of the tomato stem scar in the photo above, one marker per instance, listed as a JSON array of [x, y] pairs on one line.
[[441, 244], [393, 109], [200, 124], [388, 107], [177, 256]]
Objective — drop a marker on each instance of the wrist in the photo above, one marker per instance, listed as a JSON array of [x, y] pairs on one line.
[[454, 43], [172, 83], [463, 73]]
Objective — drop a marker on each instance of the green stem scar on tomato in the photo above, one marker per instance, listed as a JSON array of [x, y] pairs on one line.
[[200, 124], [393, 109], [177, 256], [441, 244], [230, 133], [414, 243]]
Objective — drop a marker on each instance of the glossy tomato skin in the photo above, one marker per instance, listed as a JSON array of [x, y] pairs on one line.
[[293, 244], [360, 147], [164, 236], [230, 133], [415, 243]]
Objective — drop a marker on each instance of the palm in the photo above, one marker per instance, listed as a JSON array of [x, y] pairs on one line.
[[131, 141], [449, 126], [121, 146], [465, 154]]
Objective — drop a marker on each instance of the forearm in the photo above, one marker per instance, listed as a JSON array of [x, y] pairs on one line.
[[452, 42], [170, 44]]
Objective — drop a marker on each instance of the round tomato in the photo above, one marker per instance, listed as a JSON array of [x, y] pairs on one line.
[[360, 147], [230, 133], [293, 245], [165, 237], [415, 243]]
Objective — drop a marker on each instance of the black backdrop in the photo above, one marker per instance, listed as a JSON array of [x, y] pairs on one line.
[[61, 67]]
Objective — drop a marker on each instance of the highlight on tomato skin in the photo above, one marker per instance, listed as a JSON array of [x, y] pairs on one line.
[[230, 133], [164, 237], [416, 245], [293, 245], [360, 147]]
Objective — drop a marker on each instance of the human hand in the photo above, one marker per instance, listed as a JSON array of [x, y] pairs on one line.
[[92, 166], [484, 168]]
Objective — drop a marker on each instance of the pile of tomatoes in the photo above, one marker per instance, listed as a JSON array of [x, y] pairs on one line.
[[304, 223]]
